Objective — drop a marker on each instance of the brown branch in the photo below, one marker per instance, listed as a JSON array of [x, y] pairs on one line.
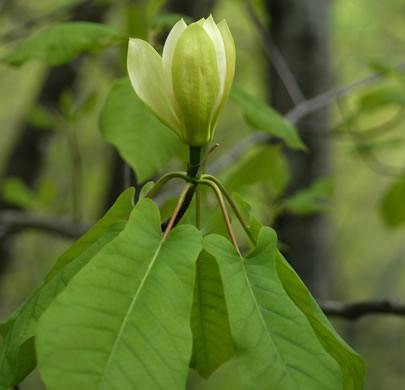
[[355, 310], [13, 221]]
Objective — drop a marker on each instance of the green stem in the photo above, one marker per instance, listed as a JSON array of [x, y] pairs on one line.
[[180, 202], [221, 202], [163, 180], [195, 161], [197, 208], [233, 205]]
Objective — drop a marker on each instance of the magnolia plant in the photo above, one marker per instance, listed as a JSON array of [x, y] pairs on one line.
[[136, 302]]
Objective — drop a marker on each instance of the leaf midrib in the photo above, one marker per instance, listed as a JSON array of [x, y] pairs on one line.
[[264, 324], [129, 311]]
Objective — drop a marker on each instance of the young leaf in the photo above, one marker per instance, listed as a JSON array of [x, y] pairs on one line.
[[145, 189], [17, 353], [62, 43], [350, 362], [16, 192], [212, 339], [262, 117], [124, 320], [392, 205], [141, 139], [275, 346]]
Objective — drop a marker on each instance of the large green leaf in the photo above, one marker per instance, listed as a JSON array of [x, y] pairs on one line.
[[262, 117], [392, 205], [124, 321], [212, 340], [275, 345], [118, 212], [17, 353], [141, 139], [260, 165], [62, 43], [350, 362]]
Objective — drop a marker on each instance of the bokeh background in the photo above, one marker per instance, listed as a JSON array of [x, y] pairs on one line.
[[327, 206]]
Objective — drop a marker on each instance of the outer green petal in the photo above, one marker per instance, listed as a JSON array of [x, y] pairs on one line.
[[230, 67], [196, 83], [145, 71], [212, 30], [167, 57]]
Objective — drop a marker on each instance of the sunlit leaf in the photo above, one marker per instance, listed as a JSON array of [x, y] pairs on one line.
[[275, 345], [262, 117], [124, 320], [62, 43], [141, 139], [17, 353]]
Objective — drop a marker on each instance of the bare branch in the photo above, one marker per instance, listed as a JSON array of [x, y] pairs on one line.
[[12, 221], [355, 310]]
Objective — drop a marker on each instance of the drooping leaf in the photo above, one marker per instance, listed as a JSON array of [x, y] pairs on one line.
[[350, 362], [212, 339], [275, 346], [262, 117], [118, 212], [62, 43], [17, 353], [141, 139], [392, 205], [259, 166], [124, 320], [311, 200]]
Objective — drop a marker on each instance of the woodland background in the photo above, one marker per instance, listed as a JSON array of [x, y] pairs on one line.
[[339, 209]]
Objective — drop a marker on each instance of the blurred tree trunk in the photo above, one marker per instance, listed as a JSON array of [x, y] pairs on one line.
[[29, 149], [299, 29]]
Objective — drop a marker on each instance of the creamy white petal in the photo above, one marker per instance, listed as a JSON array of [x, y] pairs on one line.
[[167, 57], [211, 28], [230, 66], [145, 71]]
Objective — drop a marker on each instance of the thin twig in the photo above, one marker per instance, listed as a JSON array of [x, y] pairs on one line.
[[355, 310], [182, 197], [12, 221], [221, 202]]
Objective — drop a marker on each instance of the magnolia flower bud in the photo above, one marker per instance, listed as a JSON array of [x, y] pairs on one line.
[[187, 87]]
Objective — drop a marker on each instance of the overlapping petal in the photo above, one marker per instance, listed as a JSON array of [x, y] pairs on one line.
[[196, 82], [167, 57], [145, 71]]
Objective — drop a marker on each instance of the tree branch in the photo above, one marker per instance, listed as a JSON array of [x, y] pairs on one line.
[[294, 116], [355, 310], [12, 221]]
